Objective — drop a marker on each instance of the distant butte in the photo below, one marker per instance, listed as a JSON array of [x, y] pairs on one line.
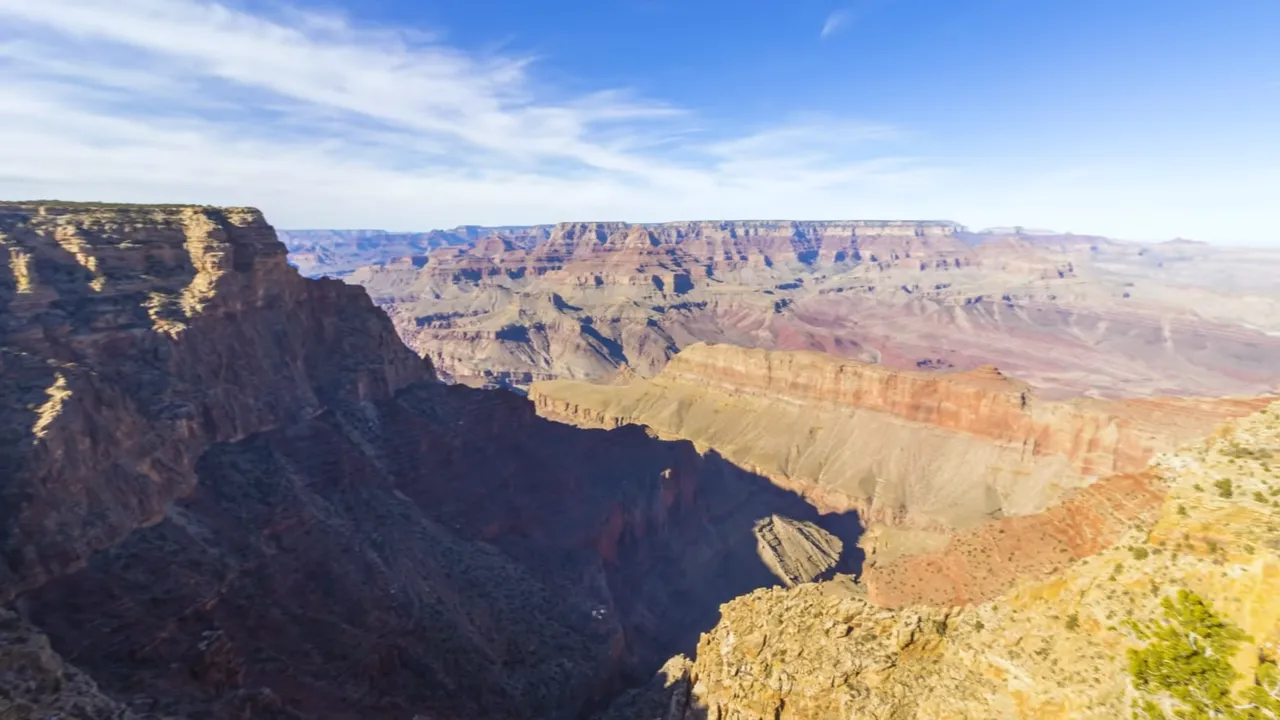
[[1068, 314]]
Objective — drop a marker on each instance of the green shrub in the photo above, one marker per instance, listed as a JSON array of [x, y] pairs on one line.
[[1073, 621], [1225, 487], [1139, 552], [1185, 667], [1186, 661]]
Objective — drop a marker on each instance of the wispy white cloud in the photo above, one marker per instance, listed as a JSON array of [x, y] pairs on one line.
[[323, 122], [834, 23], [319, 120]]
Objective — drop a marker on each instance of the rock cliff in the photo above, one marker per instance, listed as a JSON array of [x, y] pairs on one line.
[[969, 471], [229, 491], [132, 339]]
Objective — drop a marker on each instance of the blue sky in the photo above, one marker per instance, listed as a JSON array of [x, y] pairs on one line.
[[1130, 118]]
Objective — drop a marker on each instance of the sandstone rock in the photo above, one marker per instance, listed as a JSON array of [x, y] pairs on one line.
[[797, 552], [940, 450], [966, 480]]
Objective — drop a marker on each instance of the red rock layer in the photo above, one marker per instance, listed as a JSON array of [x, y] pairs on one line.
[[1099, 437], [979, 564]]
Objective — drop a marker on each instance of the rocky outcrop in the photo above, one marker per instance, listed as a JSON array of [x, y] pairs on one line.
[[132, 339], [1068, 314], [1097, 438], [36, 682], [229, 491], [1050, 647], [797, 552]]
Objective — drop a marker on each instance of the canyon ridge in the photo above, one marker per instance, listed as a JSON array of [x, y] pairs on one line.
[[710, 470], [1068, 314]]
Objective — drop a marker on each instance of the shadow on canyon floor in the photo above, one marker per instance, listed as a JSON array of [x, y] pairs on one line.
[[447, 554]]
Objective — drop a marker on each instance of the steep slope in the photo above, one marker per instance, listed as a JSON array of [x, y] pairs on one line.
[[1056, 647], [933, 450], [131, 339], [1068, 314], [229, 491]]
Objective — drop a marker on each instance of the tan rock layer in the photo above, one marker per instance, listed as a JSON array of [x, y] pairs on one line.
[[1098, 437], [929, 450]]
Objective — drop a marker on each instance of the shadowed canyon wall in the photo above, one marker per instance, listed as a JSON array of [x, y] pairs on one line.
[[232, 492]]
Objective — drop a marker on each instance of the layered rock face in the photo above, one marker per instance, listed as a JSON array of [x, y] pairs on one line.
[[958, 463], [232, 492], [1068, 314], [1049, 647], [133, 338]]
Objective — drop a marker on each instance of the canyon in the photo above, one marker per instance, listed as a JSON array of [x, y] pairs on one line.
[[1056, 646], [1068, 314], [230, 491], [968, 470], [694, 482]]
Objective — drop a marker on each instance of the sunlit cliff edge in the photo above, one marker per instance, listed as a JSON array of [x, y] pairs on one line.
[[1049, 647]]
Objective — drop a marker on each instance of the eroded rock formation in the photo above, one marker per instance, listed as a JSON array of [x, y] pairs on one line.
[[1068, 314], [797, 552], [132, 339], [229, 491], [967, 480]]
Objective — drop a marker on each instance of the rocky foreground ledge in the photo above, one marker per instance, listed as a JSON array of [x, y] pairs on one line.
[[1048, 647]]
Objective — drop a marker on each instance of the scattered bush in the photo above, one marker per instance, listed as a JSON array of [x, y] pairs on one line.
[[1073, 621], [1244, 453], [1225, 488], [1139, 552]]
